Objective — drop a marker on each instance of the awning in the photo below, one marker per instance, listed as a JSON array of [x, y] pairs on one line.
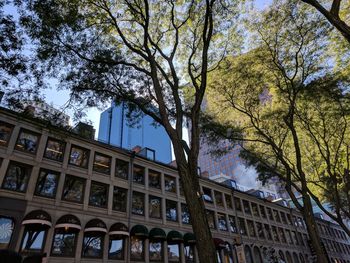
[[219, 243], [68, 221], [95, 225], [157, 233], [119, 229], [139, 231], [174, 237], [189, 238], [37, 217]]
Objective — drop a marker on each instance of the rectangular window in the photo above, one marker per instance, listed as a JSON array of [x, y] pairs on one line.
[[222, 222], [232, 222], [73, 189], [255, 209], [277, 216], [54, 150], [211, 219], [185, 214], [154, 179], [218, 198], [5, 133], [139, 174], [251, 228], [282, 235], [102, 163], [260, 229], [173, 253], [171, 210], [283, 218], [137, 249], [289, 237], [116, 247], [155, 206], [262, 211], [238, 205], [17, 176], [138, 203], [93, 245], [79, 156], [275, 234], [46, 185], [246, 207], [228, 201], [242, 227], [269, 213], [27, 141], [207, 196], [98, 194], [121, 169], [120, 197], [294, 238], [268, 232], [170, 183]]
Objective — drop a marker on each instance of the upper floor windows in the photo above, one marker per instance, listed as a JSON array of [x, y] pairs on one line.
[[228, 201], [27, 141], [171, 210], [207, 195], [46, 185], [54, 150], [255, 209], [246, 207], [17, 176], [170, 183], [73, 189], [154, 179], [155, 206], [98, 194], [138, 203], [218, 198], [5, 133], [79, 156], [238, 205], [121, 169], [139, 174], [120, 197], [102, 163]]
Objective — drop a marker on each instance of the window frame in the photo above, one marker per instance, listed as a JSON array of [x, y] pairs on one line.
[[22, 130], [166, 210], [29, 252], [63, 144], [94, 163], [155, 173], [61, 231], [143, 201], [11, 126], [126, 199], [28, 168], [83, 190], [13, 221], [125, 164], [36, 193], [107, 191], [150, 197], [101, 235], [142, 182], [84, 150]]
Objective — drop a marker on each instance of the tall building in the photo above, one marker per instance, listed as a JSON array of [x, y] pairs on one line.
[[115, 130], [74, 199]]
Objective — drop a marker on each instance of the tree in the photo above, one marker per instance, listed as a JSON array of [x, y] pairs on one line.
[[141, 52], [338, 18], [292, 114]]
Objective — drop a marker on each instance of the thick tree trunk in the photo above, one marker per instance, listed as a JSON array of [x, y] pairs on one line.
[[190, 185], [315, 240]]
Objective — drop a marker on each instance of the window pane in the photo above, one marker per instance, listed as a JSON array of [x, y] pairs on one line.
[[121, 169], [255, 209], [54, 150], [251, 228], [33, 241], [138, 203], [116, 248], [137, 249], [27, 141], [154, 179], [207, 195], [79, 156], [98, 194], [93, 245], [102, 163], [228, 201], [170, 183], [174, 253], [218, 198], [232, 222], [120, 197], [210, 218], [6, 229], [189, 254], [222, 222], [282, 235], [47, 183], [155, 207], [155, 251], [16, 178], [242, 227], [246, 207], [276, 215], [185, 214], [139, 174], [64, 243], [5, 133], [269, 213], [238, 205], [171, 210], [260, 229], [268, 232], [262, 211], [274, 233], [73, 189]]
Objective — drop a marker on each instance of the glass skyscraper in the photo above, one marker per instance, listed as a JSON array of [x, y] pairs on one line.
[[115, 130]]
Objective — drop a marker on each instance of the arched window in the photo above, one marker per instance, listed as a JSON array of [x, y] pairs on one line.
[[228, 257], [65, 236], [137, 242], [257, 255], [189, 245], [248, 254], [295, 257], [289, 257], [6, 230], [281, 256], [302, 260], [36, 224], [156, 238], [94, 234], [174, 239], [117, 238]]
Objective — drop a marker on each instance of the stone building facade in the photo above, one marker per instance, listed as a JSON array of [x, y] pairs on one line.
[[80, 200]]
